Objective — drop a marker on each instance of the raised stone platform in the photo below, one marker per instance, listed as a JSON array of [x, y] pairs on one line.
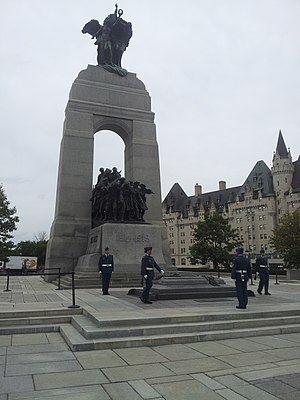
[[187, 285]]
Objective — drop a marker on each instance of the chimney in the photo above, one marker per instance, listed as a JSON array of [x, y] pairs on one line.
[[222, 185], [198, 189]]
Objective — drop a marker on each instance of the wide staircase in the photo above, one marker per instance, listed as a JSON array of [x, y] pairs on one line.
[[85, 331]]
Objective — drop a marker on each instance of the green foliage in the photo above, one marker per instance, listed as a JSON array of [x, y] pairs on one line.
[[214, 241], [32, 248], [286, 239], [8, 221]]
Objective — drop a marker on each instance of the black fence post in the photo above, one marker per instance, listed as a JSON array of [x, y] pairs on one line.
[[276, 277], [219, 271], [7, 281], [58, 287], [73, 293]]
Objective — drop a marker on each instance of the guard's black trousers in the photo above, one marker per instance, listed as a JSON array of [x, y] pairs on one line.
[[105, 281], [147, 287], [241, 292]]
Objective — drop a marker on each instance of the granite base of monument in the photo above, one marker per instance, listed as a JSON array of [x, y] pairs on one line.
[[188, 285], [126, 242]]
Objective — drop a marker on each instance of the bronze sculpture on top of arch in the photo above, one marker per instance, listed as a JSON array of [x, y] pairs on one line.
[[112, 39], [116, 200]]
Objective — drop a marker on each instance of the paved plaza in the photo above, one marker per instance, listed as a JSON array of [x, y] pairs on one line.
[[41, 365]]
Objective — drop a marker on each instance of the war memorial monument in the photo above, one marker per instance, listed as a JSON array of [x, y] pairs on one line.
[[107, 97], [122, 212]]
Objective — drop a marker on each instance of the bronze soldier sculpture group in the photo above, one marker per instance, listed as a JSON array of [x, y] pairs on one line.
[[112, 39], [116, 200]]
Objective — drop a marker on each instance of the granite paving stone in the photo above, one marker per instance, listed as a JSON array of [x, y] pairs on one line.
[[194, 366], [252, 392], [213, 348], [69, 379], [5, 340], [140, 355], [295, 361], [274, 341], [285, 353], [289, 396], [244, 345], [166, 379], [62, 393], [292, 380], [10, 384], [37, 348], [239, 360], [42, 368], [55, 337], [269, 373], [99, 359], [231, 381], [99, 395], [229, 371], [207, 381], [144, 389], [2, 360], [276, 387], [186, 390], [29, 338], [176, 352], [292, 337], [136, 372], [229, 394], [39, 357], [121, 391]]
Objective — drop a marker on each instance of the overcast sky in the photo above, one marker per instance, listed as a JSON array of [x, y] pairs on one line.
[[223, 75]]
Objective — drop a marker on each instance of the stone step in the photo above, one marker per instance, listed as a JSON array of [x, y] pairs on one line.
[[90, 330], [78, 343], [85, 331], [43, 320]]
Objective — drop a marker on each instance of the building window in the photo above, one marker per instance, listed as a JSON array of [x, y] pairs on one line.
[[182, 250], [183, 261]]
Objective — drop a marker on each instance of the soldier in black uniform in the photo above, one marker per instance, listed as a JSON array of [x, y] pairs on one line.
[[241, 273], [263, 271], [106, 268], [147, 272]]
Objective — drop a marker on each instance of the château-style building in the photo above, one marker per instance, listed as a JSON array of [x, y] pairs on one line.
[[254, 208]]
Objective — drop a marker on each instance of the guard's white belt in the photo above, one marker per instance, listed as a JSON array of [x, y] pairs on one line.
[[241, 272], [149, 269], [106, 265], [263, 266]]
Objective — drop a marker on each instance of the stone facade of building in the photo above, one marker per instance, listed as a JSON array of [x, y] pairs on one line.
[[253, 208]]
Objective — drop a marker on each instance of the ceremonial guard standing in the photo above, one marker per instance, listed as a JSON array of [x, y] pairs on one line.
[[241, 273], [263, 271], [106, 268], [147, 271]]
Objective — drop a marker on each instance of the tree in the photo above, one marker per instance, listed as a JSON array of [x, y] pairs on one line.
[[286, 239], [40, 236], [8, 221], [32, 248], [214, 241]]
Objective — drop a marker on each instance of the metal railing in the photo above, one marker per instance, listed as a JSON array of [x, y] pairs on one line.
[[34, 273]]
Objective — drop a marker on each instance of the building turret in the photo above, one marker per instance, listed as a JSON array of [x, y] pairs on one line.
[[282, 173]]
